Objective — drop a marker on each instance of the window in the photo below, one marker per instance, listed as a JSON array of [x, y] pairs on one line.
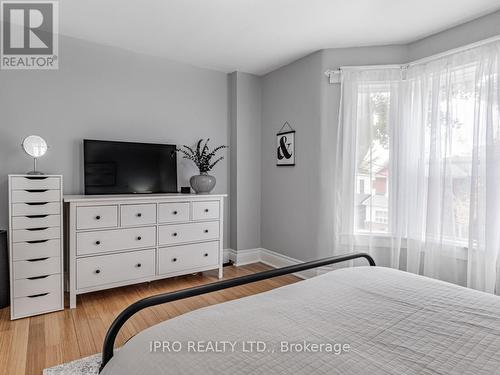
[[381, 216], [446, 154], [418, 156], [372, 173], [361, 186], [451, 152]]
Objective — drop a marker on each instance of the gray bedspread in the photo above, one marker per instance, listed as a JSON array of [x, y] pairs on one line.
[[393, 322]]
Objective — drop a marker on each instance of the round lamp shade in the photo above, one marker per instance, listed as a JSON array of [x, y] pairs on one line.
[[35, 146]]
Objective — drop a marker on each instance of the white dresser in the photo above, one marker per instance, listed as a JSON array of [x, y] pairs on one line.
[[115, 240], [35, 244]]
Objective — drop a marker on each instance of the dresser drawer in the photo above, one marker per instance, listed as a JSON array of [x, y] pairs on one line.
[[186, 257], [39, 234], [173, 212], [35, 182], [112, 240], [22, 209], [96, 217], [37, 304], [205, 210], [36, 267], [35, 195], [36, 221], [37, 285], [137, 214], [179, 233], [108, 269], [35, 250]]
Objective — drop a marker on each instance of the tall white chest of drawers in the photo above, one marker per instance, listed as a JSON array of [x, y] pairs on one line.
[[35, 244], [116, 240]]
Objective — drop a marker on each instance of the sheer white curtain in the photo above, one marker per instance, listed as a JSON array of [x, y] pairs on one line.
[[483, 271], [428, 147], [369, 110]]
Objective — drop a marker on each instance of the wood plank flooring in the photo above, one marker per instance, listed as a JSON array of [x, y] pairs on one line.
[[29, 345]]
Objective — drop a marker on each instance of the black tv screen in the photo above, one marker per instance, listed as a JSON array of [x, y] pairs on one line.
[[129, 168]]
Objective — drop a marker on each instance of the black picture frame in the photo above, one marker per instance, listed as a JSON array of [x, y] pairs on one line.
[[285, 148]]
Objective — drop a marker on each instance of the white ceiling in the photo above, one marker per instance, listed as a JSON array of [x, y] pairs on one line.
[[257, 36]]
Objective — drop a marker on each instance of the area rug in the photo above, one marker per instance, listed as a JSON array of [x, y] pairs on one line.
[[83, 366]]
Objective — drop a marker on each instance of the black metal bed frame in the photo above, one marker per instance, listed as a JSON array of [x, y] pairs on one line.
[[109, 340]]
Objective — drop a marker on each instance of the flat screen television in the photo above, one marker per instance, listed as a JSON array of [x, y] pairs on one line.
[[129, 168]]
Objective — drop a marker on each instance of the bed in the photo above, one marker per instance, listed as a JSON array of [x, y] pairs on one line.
[[392, 322]]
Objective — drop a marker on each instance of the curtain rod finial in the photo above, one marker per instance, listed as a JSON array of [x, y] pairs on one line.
[[333, 75]]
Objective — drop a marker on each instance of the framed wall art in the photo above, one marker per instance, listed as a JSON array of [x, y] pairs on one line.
[[285, 146]]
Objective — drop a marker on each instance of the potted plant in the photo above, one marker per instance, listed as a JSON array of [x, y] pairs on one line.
[[203, 158]]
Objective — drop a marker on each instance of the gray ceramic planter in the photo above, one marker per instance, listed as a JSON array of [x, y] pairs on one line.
[[203, 183]]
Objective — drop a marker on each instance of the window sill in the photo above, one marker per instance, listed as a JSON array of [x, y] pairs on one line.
[[449, 248]]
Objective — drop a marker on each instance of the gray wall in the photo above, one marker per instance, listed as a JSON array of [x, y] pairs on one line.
[[246, 123], [102, 92], [470, 32], [292, 196], [289, 201], [300, 94]]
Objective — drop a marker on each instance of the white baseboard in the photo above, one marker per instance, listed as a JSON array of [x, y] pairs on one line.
[[277, 260], [229, 255], [269, 257], [242, 257]]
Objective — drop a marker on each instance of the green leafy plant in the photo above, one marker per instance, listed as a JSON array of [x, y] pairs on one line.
[[201, 155]]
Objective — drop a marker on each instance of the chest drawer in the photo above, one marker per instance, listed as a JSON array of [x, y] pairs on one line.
[[205, 210], [22, 209], [185, 257], [97, 217], [37, 304], [36, 249], [35, 195], [137, 214], [37, 285], [36, 221], [24, 269], [112, 240], [179, 233], [35, 183], [108, 269], [173, 212], [39, 234]]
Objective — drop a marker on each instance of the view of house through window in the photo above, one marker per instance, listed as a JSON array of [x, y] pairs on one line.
[[446, 154], [372, 175]]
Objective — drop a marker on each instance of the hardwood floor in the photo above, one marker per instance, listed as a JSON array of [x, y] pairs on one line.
[[29, 345]]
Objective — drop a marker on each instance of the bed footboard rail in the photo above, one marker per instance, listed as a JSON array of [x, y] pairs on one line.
[[109, 341]]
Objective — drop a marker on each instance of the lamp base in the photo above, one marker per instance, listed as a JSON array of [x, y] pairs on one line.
[[34, 171]]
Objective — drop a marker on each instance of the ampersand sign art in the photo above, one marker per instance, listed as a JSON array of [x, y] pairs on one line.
[[285, 148]]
